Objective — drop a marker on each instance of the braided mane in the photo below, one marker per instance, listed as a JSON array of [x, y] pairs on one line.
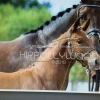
[[53, 18]]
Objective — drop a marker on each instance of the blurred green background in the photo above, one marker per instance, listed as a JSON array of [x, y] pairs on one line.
[[20, 16]]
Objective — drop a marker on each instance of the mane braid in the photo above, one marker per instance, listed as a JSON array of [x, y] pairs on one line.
[[53, 18]]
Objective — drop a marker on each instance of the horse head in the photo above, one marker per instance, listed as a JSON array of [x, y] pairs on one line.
[[90, 9], [82, 44]]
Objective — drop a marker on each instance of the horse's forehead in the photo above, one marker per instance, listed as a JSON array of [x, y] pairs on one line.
[[79, 34]]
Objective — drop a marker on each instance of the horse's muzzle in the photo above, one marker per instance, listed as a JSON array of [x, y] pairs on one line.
[[94, 63]]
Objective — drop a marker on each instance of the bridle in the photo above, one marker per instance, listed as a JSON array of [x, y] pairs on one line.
[[91, 33], [70, 47], [86, 5], [84, 66]]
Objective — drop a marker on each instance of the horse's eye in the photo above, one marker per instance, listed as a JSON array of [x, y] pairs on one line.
[[79, 41]]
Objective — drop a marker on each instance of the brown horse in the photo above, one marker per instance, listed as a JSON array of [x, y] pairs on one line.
[[54, 63]]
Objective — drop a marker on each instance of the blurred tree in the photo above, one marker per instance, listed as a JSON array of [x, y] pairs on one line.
[[16, 21], [25, 3], [78, 73]]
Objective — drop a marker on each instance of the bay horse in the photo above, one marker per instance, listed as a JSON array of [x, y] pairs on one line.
[[22, 51], [91, 8], [54, 64]]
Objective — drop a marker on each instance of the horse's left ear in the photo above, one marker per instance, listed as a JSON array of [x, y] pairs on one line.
[[85, 25], [75, 25]]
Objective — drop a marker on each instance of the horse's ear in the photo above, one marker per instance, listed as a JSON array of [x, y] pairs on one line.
[[85, 25], [75, 25]]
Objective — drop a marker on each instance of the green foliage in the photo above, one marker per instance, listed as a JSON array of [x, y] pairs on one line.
[[77, 73], [25, 3], [16, 21]]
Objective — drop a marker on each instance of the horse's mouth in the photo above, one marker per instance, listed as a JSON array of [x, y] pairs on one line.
[[94, 66]]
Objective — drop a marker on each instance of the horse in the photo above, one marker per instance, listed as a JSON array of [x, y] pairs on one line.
[[21, 52], [51, 68], [91, 8]]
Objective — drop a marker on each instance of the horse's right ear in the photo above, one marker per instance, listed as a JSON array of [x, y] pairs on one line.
[[75, 25]]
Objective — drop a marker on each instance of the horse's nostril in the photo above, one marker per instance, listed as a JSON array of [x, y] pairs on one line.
[[96, 62]]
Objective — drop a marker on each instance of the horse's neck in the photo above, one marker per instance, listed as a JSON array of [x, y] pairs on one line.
[[57, 27], [49, 68]]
